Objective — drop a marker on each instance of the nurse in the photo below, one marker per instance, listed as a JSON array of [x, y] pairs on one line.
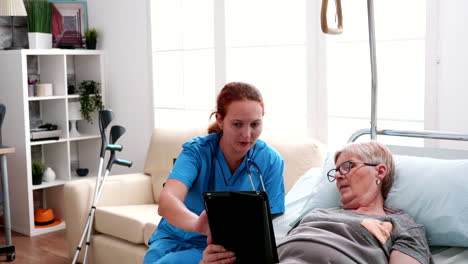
[[227, 159]]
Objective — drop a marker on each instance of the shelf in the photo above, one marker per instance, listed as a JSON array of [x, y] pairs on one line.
[[43, 185], [53, 51], [39, 231], [45, 142], [63, 69], [61, 52], [84, 136], [76, 96], [43, 98]]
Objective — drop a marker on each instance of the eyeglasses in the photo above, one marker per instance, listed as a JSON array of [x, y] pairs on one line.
[[345, 168]]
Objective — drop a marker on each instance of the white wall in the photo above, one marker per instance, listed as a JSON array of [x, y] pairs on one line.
[[452, 88], [125, 36]]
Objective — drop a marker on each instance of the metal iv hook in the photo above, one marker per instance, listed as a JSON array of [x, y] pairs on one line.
[[323, 18]]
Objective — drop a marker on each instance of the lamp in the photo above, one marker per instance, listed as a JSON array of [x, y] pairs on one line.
[[12, 8], [74, 115]]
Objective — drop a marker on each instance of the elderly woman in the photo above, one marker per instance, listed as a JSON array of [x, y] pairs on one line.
[[362, 230]]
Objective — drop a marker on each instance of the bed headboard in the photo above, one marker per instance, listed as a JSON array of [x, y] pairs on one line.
[[419, 151]]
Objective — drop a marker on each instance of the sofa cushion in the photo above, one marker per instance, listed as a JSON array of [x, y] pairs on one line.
[[165, 146], [148, 231], [157, 182], [107, 249], [126, 189], [300, 153], [111, 220]]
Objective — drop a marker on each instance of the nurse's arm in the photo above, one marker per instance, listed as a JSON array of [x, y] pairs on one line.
[[172, 207]]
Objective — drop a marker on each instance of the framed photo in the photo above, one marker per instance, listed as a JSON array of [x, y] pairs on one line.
[[69, 22]]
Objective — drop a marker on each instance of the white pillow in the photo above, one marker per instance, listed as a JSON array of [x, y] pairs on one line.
[[433, 191], [324, 194], [295, 200]]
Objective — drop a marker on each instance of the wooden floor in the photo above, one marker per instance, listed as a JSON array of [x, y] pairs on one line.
[[51, 248]]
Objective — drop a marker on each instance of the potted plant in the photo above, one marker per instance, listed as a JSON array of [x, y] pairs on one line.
[[90, 98], [37, 172], [39, 24], [91, 38]]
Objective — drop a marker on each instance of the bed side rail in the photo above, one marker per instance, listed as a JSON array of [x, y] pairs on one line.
[[411, 133]]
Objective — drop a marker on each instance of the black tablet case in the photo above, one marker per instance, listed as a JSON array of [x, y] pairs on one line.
[[241, 222]]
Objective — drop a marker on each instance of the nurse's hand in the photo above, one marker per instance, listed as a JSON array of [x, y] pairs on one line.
[[216, 254], [202, 227]]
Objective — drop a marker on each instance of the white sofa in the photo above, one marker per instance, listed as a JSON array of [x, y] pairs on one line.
[[126, 214]]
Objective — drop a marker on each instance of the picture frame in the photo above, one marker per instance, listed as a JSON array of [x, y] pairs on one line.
[[69, 23]]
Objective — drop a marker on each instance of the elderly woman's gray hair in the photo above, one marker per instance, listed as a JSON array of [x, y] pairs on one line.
[[373, 152]]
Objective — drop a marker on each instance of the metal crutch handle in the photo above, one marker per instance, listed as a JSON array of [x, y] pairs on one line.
[[114, 147], [323, 18]]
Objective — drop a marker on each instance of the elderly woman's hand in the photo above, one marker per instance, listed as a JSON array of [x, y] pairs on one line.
[[216, 254]]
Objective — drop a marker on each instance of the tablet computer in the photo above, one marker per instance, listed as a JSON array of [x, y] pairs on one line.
[[241, 222]]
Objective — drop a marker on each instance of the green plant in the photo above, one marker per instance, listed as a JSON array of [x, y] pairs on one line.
[[90, 98], [91, 34], [39, 16], [37, 169]]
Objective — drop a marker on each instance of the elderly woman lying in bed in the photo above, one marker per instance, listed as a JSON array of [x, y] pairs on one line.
[[362, 230]]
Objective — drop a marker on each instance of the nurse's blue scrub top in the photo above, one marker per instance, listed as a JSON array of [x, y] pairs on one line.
[[201, 167]]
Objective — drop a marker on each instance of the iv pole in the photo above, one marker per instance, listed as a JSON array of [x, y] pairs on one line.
[[373, 130], [339, 30], [370, 21]]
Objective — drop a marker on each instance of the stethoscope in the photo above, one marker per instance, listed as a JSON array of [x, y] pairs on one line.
[[249, 164]]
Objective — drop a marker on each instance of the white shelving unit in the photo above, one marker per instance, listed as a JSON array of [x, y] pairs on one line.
[[50, 66]]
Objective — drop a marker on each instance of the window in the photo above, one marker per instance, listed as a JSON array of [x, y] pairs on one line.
[[183, 61], [400, 30], [266, 45], [312, 83], [198, 46]]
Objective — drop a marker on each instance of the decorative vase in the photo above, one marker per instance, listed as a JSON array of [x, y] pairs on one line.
[[40, 40], [49, 175], [91, 44], [74, 115]]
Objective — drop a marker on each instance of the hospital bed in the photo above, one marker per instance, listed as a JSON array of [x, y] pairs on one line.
[[431, 184]]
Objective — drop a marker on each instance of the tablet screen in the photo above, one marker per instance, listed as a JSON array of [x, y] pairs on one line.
[[241, 222]]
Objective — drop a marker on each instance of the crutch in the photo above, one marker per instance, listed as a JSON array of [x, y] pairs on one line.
[[105, 118], [115, 133]]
